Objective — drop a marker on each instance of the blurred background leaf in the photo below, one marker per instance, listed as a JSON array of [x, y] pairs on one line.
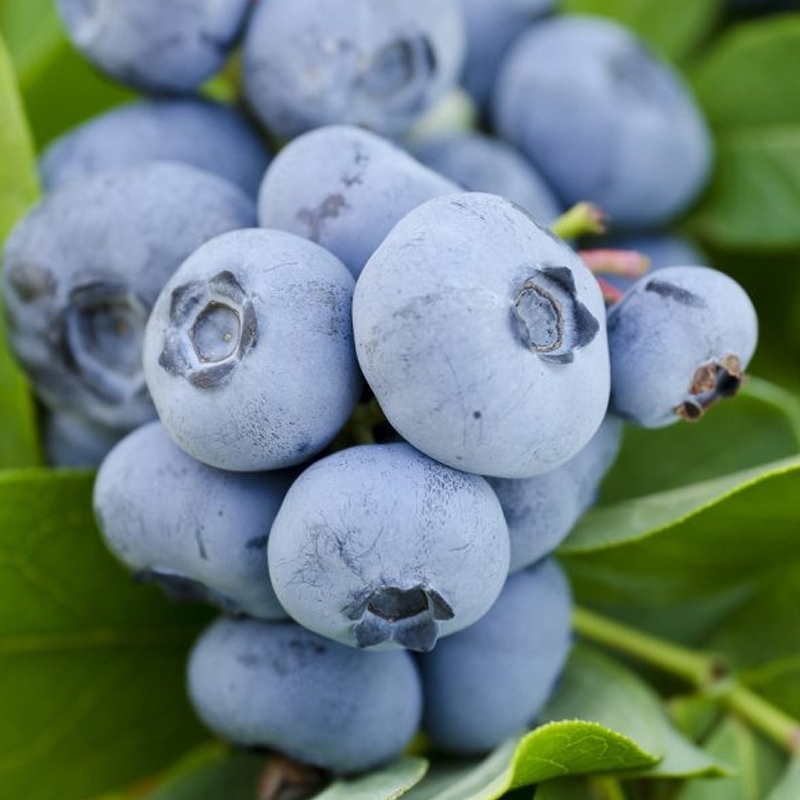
[[747, 86], [19, 188], [761, 641], [788, 787], [674, 28], [757, 765], [59, 88]]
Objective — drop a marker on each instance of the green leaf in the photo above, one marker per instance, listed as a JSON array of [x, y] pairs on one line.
[[32, 31], [762, 424], [748, 88], [757, 765], [694, 715], [754, 199], [762, 642], [19, 185], [686, 543], [749, 77], [568, 789], [236, 777], [788, 787], [596, 687], [18, 190], [673, 27], [602, 719], [64, 91], [388, 783], [233, 777], [550, 751], [91, 665]]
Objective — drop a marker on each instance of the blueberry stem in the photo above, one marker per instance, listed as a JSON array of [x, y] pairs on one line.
[[611, 293], [705, 671], [625, 263], [607, 788], [283, 778], [582, 219], [698, 669]]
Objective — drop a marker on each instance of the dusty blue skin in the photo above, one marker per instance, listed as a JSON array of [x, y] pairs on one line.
[[610, 123], [481, 164], [279, 686], [199, 532], [155, 45], [680, 340], [71, 441], [379, 546], [208, 135], [82, 269], [542, 510], [249, 351], [489, 682], [375, 63], [345, 189], [481, 335], [491, 28]]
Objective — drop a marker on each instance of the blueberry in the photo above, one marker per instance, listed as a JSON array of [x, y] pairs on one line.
[[345, 189], [491, 29], [375, 63], [249, 351], [481, 335], [679, 340], [83, 268], [380, 546], [199, 532], [603, 120], [482, 164], [276, 685], [71, 441], [155, 45], [542, 510], [489, 682], [206, 135]]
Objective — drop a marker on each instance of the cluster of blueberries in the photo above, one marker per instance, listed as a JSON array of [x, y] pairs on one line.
[[219, 327]]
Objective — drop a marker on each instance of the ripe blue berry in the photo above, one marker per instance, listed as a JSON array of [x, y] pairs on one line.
[[489, 682], [603, 119], [542, 510], [70, 440], [345, 189], [482, 336], [199, 532], [492, 27], [249, 351], [680, 340], [276, 685], [378, 64], [207, 135], [482, 164], [82, 269], [155, 45], [380, 546]]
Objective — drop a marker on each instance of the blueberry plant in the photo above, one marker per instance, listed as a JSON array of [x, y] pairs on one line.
[[499, 534]]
